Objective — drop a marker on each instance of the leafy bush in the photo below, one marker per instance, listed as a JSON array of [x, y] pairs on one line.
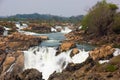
[[111, 68], [99, 18], [116, 24]]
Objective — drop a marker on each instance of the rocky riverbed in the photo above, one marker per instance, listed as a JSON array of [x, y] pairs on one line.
[[80, 36], [101, 63], [11, 54]]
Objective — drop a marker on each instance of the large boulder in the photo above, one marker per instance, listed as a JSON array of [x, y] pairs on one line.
[[74, 52], [75, 35], [12, 65], [19, 41], [44, 37], [105, 51], [38, 28], [30, 74], [7, 63], [11, 55], [2, 45], [67, 45]]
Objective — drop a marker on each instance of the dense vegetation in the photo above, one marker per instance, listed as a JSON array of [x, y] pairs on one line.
[[103, 19], [43, 18]]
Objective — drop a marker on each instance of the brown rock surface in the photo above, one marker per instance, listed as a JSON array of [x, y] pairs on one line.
[[17, 41], [75, 35], [102, 52], [1, 30], [44, 37], [11, 55], [8, 62], [67, 45], [74, 52], [30, 74]]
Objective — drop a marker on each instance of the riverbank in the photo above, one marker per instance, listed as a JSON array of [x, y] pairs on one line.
[[11, 53], [63, 63], [102, 63], [79, 36]]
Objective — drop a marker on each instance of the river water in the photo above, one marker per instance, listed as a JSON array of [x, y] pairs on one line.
[[44, 59]]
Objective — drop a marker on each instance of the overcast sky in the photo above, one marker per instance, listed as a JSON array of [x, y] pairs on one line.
[[54, 7]]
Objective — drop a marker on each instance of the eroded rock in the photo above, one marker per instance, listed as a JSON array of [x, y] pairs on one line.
[[102, 52], [67, 45], [74, 52]]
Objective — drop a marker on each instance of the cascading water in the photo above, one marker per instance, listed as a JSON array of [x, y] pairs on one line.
[[66, 30], [45, 60]]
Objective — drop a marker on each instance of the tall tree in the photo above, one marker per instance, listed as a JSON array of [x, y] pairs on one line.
[[99, 18]]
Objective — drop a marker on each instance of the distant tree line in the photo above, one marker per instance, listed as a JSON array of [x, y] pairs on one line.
[[43, 18]]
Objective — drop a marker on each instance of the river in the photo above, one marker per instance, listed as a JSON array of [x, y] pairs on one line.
[[44, 59]]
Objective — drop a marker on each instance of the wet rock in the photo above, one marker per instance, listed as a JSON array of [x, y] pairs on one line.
[[105, 51], [60, 76], [73, 67], [38, 28], [17, 41], [2, 59], [8, 62], [30, 74], [75, 35], [58, 29], [74, 52], [19, 64], [67, 45], [3, 45], [44, 37], [1, 30], [11, 57]]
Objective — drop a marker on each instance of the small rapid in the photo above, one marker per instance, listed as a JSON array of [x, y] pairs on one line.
[[44, 59]]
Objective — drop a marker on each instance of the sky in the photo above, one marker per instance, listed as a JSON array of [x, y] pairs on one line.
[[54, 7]]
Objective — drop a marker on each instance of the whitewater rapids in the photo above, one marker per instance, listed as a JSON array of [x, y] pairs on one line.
[[44, 59]]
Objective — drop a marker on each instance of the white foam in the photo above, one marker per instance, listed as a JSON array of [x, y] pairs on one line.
[[44, 60], [103, 61], [117, 52], [81, 57], [53, 29], [66, 30], [27, 32]]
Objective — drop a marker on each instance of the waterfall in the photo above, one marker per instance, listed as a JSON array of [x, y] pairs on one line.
[[5, 33], [66, 30], [44, 59], [53, 29]]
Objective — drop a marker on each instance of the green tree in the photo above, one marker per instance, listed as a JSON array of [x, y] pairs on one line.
[[99, 18], [116, 24]]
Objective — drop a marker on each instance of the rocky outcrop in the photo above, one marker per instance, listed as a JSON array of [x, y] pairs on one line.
[[30, 74], [90, 70], [1, 30], [75, 35], [105, 51], [80, 36], [67, 45], [12, 58], [44, 37], [74, 52], [38, 28], [17, 41]]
